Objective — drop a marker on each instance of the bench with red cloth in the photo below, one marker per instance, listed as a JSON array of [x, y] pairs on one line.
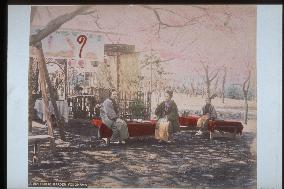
[[226, 126], [189, 122], [147, 128], [219, 125]]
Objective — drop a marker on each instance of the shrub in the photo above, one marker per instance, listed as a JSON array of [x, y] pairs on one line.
[[137, 108], [234, 92]]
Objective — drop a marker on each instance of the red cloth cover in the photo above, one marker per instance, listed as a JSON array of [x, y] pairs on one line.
[[148, 128], [134, 128]]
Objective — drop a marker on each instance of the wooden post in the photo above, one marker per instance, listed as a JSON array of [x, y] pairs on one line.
[[118, 70], [125, 104], [65, 74], [30, 94], [210, 135], [84, 103], [235, 133], [46, 81]]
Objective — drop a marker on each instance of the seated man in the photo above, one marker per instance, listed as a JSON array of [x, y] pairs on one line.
[[208, 112], [109, 115]]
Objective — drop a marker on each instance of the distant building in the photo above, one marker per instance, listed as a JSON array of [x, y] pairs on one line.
[[123, 64]]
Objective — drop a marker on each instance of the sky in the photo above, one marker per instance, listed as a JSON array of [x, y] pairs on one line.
[[215, 34]]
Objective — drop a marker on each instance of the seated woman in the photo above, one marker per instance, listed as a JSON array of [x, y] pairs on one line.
[[109, 115], [208, 112], [167, 112]]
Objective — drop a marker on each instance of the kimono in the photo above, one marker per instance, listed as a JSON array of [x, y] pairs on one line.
[[109, 116], [169, 110], [108, 112]]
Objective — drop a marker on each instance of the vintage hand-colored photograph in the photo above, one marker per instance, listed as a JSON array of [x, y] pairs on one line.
[[142, 96]]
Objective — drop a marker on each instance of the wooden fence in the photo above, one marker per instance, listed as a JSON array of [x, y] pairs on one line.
[[135, 106]]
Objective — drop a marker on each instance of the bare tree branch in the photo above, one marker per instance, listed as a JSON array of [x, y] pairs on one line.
[[96, 20], [212, 78], [223, 83], [54, 24], [162, 24], [246, 83], [49, 13], [175, 13], [148, 62], [203, 65], [167, 60], [87, 13], [98, 31], [199, 7], [109, 39], [188, 45]]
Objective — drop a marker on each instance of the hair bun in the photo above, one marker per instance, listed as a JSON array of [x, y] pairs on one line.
[[170, 92]]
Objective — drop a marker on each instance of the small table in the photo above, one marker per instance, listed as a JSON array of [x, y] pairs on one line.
[[36, 140]]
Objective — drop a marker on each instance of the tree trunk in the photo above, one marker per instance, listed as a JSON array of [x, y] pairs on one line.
[[51, 92], [208, 79], [216, 85], [118, 73], [65, 78], [223, 85], [246, 86], [42, 78], [30, 118], [193, 91], [246, 110], [208, 92]]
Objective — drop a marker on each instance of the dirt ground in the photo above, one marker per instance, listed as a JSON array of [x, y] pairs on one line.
[[190, 162]]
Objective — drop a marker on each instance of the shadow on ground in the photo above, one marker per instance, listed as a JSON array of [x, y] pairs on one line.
[[192, 162]]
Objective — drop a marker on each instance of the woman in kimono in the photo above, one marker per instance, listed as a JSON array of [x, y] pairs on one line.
[[168, 111], [110, 117]]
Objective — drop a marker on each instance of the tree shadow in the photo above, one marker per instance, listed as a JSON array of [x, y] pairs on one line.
[[190, 161]]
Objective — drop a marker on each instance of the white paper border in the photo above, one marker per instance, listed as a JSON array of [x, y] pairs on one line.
[[269, 95]]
